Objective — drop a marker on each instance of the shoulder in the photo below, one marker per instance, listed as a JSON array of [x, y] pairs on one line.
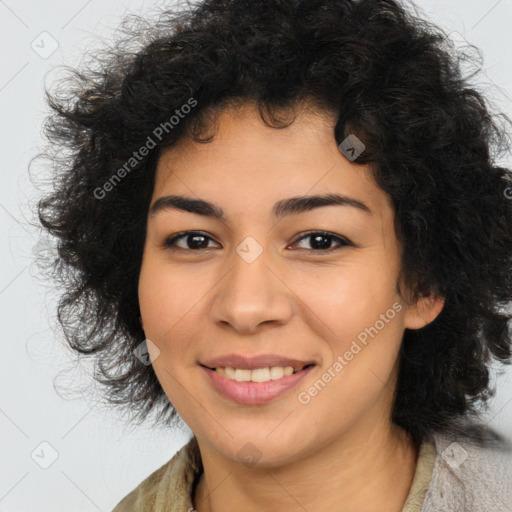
[[170, 483], [470, 476], [142, 498]]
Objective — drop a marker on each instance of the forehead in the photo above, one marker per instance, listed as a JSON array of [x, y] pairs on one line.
[[249, 161]]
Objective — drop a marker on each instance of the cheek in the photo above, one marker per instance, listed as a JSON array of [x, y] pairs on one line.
[[363, 315], [166, 307], [365, 328], [166, 298], [350, 297]]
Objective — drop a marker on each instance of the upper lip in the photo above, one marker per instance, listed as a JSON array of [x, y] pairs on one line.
[[249, 363]]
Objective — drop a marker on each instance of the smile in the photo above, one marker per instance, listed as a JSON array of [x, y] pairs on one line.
[[256, 386], [257, 374]]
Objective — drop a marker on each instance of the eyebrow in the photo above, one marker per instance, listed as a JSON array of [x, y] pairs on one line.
[[282, 208]]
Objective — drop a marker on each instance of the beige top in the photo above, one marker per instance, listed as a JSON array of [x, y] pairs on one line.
[[171, 488]]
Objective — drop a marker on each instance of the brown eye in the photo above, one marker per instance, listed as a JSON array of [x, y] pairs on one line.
[[321, 241], [194, 241]]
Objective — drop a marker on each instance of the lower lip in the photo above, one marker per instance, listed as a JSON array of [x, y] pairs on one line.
[[254, 393]]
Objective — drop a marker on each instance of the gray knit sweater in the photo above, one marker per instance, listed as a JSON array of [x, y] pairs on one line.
[[451, 476], [469, 478]]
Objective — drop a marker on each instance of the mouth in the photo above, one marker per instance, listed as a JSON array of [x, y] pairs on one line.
[[255, 386], [259, 375]]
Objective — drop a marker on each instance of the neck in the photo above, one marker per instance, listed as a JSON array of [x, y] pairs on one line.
[[369, 471]]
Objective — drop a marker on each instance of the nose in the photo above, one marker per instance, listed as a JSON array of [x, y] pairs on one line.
[[251, 294]]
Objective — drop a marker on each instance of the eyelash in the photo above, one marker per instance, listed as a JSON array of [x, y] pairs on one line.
[[169, 243]]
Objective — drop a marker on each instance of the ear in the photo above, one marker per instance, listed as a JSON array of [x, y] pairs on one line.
[[425, 310]]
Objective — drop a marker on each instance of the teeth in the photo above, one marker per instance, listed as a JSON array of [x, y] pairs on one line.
[[256, 375], [242, 375], [276, 372]]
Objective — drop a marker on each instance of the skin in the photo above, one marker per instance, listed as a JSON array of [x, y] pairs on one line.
[[340, 451]]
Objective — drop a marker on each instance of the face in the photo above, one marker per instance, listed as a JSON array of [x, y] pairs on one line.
[[316, 285]]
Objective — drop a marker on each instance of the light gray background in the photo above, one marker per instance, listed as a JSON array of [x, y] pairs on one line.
[[99, 459]]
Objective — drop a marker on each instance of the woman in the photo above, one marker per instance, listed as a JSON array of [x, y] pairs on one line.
[[282, 220]]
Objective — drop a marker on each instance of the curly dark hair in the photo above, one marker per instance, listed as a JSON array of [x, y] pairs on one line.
[[390, 77]]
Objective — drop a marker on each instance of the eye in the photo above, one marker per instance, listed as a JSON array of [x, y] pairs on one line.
[[194, 240], [321, 241]]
